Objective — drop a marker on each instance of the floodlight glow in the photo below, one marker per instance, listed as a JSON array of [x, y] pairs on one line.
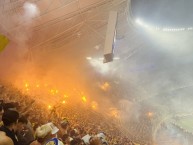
[[116, 58], [158, 28], [88, 58], [99, 66], [146, 26], [138, 21]]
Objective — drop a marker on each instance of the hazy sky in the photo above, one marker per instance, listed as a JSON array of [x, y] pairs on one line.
[[164, 12]]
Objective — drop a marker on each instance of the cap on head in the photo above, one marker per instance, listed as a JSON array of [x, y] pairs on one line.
[[46, 129]]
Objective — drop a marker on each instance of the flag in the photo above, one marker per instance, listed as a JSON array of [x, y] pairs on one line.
[[54, 141], [3, 42]]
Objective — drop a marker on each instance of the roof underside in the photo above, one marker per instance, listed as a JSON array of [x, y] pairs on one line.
[[67, 31]]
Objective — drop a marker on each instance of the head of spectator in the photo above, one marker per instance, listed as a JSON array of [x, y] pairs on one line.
[[86, 139], [10, 119], [73, 133], [74, 142], [95, 141], [1, 110], [22, 121], [102, 137], [1, 102], [4, 139], [80, 141], [64, 123], [66, 139], [46, 132], [27, 115], [9, 106]]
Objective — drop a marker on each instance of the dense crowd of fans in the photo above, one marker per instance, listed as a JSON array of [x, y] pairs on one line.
[[27, 122]]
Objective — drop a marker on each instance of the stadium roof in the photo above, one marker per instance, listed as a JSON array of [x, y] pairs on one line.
[[64, 44]]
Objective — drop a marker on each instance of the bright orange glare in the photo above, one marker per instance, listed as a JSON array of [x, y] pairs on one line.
[[26, 85], [105, 86], [49, 107], [37, 85], [65, 96], [114, 112], [150, 114], [84, 99], [63, 102], [52, 91], [93, 107]]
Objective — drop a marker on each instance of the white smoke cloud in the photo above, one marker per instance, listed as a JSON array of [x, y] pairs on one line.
[[30, 11], [17, 25], [24, 32]]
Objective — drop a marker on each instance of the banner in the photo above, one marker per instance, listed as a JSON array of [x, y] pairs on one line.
[[53, 141], [3, 42]]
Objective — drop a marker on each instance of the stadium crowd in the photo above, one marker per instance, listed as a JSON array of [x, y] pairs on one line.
[[23, 121]]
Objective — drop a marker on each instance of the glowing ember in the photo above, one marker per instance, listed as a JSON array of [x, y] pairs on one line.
[[65, 96], [52, 92], [49, 107], [105, 86], [150, 114], [84, 99], [26, 85], [114, 112], [48, 91], [94, 105]]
